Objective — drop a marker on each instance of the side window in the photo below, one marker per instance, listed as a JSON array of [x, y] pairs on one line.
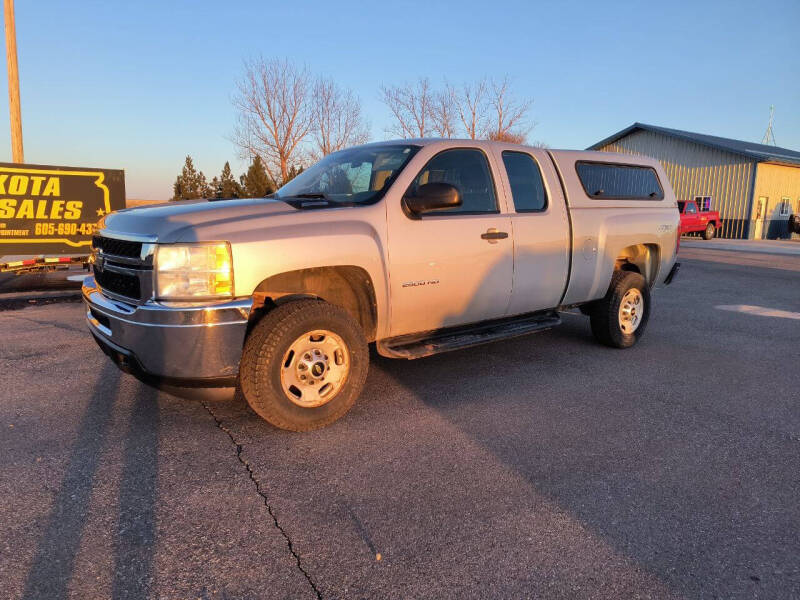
[[527, 187], [468, 170], [691, 208], [624, 182]]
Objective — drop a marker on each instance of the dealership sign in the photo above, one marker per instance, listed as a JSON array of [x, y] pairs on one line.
[[47, 210]]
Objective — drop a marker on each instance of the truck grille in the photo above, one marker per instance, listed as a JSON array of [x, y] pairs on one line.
[[117, 247], [121, 270], [121, 284]]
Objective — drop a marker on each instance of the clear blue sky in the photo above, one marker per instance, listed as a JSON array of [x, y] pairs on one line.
[[138, 85]]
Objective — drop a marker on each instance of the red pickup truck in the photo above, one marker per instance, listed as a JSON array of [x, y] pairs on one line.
[[693, 219]]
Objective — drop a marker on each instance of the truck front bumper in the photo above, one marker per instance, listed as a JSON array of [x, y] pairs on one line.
[[198, 346]]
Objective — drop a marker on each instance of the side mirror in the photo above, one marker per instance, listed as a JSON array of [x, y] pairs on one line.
[[432, 196]]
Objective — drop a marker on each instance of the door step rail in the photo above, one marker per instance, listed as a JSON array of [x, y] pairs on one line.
[[456, 338]]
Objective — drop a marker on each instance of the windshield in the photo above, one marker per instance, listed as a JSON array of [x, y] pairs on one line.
[[354, 176]]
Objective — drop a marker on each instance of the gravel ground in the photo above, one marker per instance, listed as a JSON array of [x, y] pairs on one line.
[[545, 466]]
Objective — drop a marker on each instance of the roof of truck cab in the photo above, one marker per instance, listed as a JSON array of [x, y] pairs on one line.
[[563, 155], [421, 141], [466, 141]]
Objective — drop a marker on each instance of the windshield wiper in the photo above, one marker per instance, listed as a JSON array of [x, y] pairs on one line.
[[316, 195], [308, 200]]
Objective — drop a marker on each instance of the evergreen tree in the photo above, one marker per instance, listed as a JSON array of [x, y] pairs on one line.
[[294, 171], [256, 183], [187, 185], [191, 183], [229, 187], [204, 189], [216, 188]]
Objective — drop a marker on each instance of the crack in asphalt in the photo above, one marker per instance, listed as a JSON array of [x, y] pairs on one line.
[[257, 484], [51, 324]]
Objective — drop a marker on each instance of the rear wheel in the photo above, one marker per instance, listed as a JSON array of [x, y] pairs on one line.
[[709, 232], [304, 364], [619, 319]]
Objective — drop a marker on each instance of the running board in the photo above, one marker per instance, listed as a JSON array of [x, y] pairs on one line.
[[418, 345]]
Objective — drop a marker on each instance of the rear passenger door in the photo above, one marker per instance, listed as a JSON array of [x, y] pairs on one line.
[[540, 227]]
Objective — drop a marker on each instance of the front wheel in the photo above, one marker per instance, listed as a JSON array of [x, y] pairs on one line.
[[709, 232], [304, 365], [619, 319]]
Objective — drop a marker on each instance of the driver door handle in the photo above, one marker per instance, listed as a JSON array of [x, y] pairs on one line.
[[492, 235]]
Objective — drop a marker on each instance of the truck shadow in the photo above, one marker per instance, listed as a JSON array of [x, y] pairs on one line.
[[624, 447], [134, 542], [53, 564]]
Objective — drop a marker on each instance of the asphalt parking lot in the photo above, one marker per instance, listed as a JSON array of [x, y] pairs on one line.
[[545, 466]]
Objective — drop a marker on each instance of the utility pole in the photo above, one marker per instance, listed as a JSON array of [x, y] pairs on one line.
[[13, 83]]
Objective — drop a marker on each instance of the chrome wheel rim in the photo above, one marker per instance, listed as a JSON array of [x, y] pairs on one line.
[[314, 368], [631, 310]]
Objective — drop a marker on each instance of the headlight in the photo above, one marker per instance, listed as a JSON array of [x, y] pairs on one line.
[[193, 271]]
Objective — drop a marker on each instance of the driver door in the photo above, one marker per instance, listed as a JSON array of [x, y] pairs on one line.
[[451, 266]]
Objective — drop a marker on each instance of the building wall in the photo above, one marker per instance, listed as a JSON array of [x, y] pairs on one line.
[[697, 170], [776, 182]]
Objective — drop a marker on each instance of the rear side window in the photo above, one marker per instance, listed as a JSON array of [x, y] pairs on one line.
[[622, 182], [527, 187]]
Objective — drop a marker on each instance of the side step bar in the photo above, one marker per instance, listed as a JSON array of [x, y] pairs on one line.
[[418, 345]]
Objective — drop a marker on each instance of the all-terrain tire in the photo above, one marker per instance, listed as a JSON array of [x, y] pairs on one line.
[[709, 232], [268, 343], [605, 318]]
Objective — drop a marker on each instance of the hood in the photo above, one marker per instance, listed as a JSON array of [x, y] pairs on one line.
[[170, 222]]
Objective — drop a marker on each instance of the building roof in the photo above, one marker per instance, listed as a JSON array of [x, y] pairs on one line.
[[758, 152]]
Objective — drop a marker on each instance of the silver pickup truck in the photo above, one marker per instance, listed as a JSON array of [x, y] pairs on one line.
[[421, 246]]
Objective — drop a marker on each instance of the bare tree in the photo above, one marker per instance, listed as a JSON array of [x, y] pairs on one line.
[[443, 113], [508, 136], [412, 108], [338, 120], [273, 100], [510, 115], [472, 106]]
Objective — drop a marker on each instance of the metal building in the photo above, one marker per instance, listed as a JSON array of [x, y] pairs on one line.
[[755, 187]]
